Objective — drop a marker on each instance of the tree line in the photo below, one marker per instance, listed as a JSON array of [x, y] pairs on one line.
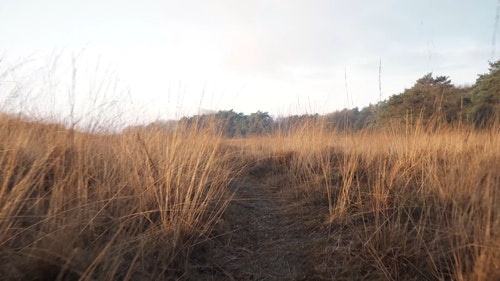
[[432, 100]]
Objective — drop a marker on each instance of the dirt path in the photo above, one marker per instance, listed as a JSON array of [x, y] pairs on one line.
[[263, 240]]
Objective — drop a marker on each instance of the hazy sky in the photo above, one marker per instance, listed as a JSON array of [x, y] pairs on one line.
[[160, 59]]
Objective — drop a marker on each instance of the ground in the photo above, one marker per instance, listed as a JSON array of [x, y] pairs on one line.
[[260, 236]]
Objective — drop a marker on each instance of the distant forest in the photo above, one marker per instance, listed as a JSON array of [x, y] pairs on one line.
[[431, 102]]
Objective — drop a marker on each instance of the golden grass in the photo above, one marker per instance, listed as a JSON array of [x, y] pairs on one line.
[[388, 205], [104, 207], [399, 204]]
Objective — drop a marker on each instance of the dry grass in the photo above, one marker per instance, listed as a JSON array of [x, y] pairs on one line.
[[396, 205], [393, 205], [106, 207]]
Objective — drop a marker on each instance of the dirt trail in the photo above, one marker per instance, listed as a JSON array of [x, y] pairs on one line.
[[263, 240]]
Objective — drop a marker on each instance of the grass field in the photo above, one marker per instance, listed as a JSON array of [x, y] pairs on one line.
[[153, 204]]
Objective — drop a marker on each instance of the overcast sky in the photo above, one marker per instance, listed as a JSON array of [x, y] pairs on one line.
[[161, 59]]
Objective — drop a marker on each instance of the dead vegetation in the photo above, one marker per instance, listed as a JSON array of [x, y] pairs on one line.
[[397, 205], [98, 207], [310, 205]]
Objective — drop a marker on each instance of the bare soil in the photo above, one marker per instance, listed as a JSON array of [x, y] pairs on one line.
[[260, 237]]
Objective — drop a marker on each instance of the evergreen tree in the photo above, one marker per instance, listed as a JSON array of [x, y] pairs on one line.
[[429, 99], [485, 108]]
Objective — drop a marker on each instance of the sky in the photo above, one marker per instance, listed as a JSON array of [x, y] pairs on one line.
[[139, 61]]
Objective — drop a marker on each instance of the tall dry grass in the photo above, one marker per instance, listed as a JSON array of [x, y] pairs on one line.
[[75, 206], [397, 204]]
